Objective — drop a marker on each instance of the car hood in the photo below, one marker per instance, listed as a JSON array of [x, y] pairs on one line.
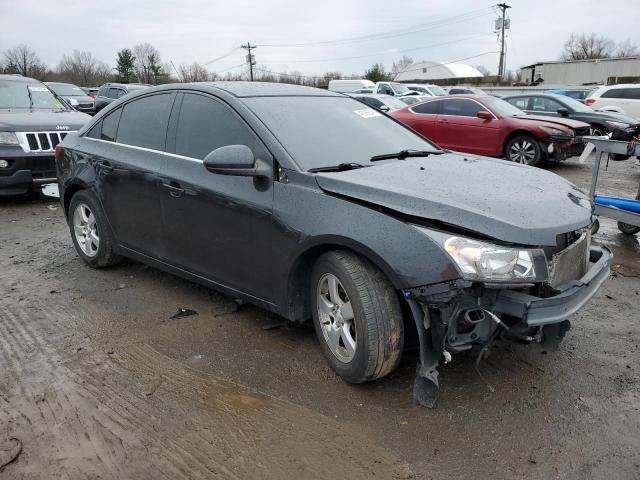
[[567, 122], [495, 198], [41, 120]]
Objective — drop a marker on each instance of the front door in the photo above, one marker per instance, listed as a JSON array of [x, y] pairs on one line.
[[459, 127], [216, 226]]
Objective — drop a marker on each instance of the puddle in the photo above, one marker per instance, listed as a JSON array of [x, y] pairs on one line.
[[51, 190]]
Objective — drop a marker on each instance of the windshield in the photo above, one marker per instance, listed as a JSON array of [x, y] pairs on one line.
[[325, 131], [576, 105], [67, 90], [502, 108], [436, 90], [15, 95], [399, 88]]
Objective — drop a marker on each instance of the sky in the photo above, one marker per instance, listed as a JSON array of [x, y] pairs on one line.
[[311, 36]]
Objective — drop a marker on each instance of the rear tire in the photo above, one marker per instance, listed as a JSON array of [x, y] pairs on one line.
[[90, 231], [524, 149], [357, 317]]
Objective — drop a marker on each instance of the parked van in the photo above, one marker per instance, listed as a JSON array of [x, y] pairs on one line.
[[349, 86], [623, 98]]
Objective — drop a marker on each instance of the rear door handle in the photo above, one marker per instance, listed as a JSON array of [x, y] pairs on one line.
[[174, 189]]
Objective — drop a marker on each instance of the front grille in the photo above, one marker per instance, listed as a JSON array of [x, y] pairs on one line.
[[570, 262], [582, 132], [41, 141]]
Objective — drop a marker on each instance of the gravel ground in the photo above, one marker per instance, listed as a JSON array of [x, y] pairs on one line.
[[97, 382]]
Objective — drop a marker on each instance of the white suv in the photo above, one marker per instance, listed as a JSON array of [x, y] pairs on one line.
[[622, 98]]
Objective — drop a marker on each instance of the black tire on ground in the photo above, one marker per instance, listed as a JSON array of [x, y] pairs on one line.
[[105, 255], [520, 146], [627, 228], [377, 317]]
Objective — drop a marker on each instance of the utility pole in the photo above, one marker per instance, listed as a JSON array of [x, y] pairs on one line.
[[250, 58], [503, 7]]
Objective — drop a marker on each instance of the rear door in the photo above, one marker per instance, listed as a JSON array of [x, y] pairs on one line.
[[219, 227], [127, 160], [544, 106], [423, 119], [459, 127]]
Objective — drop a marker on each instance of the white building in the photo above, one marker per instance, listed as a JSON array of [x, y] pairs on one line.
[[581, 72], [436, 71]]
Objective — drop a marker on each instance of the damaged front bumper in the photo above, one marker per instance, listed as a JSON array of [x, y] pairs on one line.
[[571, 297], [461, 315]]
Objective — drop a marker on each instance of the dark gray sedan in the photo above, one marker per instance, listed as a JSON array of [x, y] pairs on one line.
[[314, 205]]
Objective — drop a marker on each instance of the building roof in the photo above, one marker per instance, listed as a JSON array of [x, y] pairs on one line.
[[435, 70]]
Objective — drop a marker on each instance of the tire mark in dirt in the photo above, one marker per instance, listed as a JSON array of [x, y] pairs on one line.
[[101, 423]]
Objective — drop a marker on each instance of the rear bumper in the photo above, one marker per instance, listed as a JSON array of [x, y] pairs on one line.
[[535, 311]]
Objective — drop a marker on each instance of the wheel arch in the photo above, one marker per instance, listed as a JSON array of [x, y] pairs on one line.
[[69, 191], [514, 134], [298, 303]]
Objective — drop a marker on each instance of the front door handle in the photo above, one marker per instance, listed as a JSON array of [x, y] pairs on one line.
[[174, 189]]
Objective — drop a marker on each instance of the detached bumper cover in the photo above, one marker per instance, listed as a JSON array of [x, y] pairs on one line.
[[535, 311]]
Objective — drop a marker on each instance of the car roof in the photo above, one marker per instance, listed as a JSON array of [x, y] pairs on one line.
[[59, 83], [556, 96], [18, 78], [267, 89]]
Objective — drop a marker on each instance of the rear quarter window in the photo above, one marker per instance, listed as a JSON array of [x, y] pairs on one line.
[[110, 126], [614, 93], [429, 108]]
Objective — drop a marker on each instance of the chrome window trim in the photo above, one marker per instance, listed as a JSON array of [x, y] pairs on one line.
[[144, 149]]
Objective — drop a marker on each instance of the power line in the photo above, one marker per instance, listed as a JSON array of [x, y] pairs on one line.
[[221, 57], [394, 33], [382, 53]]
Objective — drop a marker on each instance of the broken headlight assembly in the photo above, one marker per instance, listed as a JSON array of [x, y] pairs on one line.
[[489, 262]]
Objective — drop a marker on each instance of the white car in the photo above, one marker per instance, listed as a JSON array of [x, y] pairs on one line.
[[623, 98], [350, 86], [413, 99], [427, 89]]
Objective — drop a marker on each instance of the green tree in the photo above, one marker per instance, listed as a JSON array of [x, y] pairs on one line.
[[376, 73], [125, 65]]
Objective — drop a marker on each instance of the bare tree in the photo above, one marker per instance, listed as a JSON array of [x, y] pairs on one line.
[[483, 70], [627, 49], [82, 67], [587, 47], [147, 64], [21, 59], [401, 65], [193, 73]]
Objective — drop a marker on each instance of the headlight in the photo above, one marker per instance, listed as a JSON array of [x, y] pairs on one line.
[[554, 131], [485, 261], [8, 138], [617, 124]]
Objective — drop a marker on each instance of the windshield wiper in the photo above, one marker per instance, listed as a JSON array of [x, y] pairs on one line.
[[402, 154], [30, 98], [341, 167]]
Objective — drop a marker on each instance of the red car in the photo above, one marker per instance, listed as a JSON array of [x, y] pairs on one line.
[[489, 126]]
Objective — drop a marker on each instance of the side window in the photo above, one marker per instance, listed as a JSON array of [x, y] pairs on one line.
[[461, 108], [521, 103], [120, 93], [541, 104], [385, 89], [110, 126], [95, 131], [103, 91], [144, 121], [427, 108], [372, 102], [206, 124], [633, 93], [615, 93]]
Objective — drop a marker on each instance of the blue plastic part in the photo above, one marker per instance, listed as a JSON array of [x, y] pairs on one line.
[[627, 204]]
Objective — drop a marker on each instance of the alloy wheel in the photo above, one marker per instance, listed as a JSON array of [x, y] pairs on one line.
[[523, 152], [337, 321], [86, 230]]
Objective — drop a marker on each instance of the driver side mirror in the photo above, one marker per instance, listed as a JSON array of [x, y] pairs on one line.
[[563, 112], [237, 160], [483, 114], [383, 108]]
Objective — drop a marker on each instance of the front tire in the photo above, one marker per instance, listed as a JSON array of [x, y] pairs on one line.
[[90, 231], [357, 317], [524, 149]]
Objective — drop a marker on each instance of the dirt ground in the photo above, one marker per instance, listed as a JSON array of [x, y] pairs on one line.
[[97, 382]]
